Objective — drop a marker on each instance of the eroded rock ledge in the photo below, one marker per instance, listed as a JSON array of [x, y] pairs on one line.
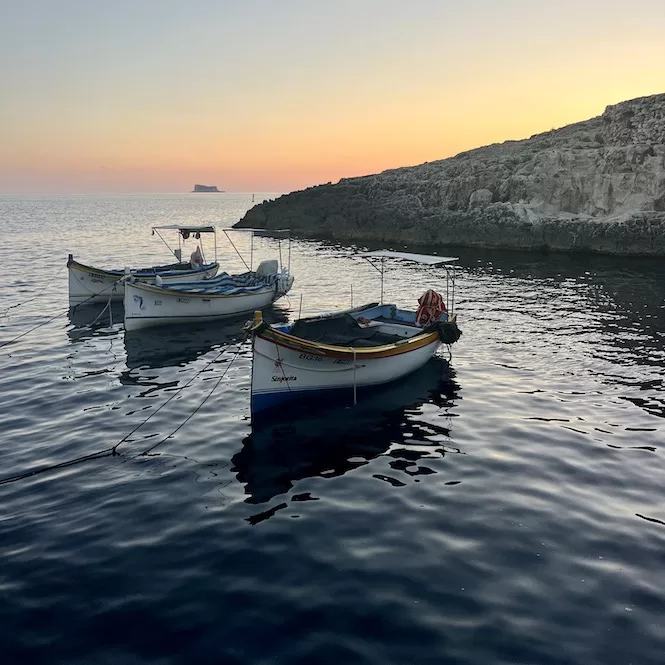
[[595, 186]]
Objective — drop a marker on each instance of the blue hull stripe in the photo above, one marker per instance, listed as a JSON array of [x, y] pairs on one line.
[[267, 401]]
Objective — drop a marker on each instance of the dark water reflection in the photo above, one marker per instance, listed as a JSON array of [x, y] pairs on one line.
[[178, 345], [90, 320], [507, 511], [338, 439]]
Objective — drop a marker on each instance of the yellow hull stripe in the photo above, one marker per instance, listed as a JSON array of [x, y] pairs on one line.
[[364, 353]]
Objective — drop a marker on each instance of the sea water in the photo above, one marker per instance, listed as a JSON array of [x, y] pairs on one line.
[[504, 508]]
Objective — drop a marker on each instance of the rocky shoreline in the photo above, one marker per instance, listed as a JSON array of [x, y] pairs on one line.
[[594, 186]]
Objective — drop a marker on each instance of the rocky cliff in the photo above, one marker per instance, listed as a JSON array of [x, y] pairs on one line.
[[595, 186]]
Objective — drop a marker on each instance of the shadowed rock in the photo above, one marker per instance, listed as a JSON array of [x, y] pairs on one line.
[[595, 186]]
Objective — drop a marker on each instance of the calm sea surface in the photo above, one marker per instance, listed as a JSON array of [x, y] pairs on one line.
[[508, 509]]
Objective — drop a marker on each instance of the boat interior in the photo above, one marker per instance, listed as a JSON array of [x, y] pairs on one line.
[[164, 271], [265, 276], [225, 284], [369, 325]]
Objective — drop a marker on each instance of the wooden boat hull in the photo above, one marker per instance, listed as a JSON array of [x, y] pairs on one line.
[[149, 305], [286, 368], [95, 285]]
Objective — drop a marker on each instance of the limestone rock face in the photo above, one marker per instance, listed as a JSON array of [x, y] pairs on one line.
[[481, 197], [597, 186]]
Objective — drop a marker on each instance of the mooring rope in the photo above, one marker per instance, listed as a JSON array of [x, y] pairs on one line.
[[196, 410], [113, 450], [175, 394], [56, 316], [20, 304], [99, 316], [52, 467], [281, 365]]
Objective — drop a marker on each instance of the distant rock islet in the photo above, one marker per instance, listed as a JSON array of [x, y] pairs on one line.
[[206, 188]]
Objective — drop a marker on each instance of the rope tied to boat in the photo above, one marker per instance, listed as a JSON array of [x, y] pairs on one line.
[[355, 395], [20, 304], [177, 392], [99, 316], [147, 451], [57, 316], [280, 364], [53, 318], [113, 450]]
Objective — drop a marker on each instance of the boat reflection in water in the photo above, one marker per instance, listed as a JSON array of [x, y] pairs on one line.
[[171, 346], [333, 440], [95, 320]]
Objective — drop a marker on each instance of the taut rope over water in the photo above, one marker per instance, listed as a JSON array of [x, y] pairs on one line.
[[53, 318], [113, 450], [20, 304]]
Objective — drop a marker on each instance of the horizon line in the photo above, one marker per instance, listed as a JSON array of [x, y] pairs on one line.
[[247, 192]]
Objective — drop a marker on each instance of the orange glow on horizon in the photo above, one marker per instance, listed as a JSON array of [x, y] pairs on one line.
[[306, 126]]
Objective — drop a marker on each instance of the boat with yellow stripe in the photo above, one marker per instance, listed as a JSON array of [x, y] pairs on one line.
[[341, 352]]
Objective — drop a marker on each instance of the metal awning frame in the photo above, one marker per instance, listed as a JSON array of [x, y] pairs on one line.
[[261, 232], [192, 229], [379, 257]]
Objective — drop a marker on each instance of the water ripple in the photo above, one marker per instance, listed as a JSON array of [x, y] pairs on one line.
[[505, 508]]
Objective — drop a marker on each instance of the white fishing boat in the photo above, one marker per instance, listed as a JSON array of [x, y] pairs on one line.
[[88, 284], [336, 354], [224, 296]]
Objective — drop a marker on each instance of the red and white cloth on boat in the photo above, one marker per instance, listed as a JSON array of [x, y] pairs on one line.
[[431, 306]]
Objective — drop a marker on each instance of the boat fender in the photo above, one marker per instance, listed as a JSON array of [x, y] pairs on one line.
[[158, 280], [448, 331]]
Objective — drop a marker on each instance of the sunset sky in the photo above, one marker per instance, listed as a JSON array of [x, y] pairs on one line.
[[276, 95]]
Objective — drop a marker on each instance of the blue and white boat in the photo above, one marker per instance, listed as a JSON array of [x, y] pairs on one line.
[[88, 284], [335, 354], [224, 296]]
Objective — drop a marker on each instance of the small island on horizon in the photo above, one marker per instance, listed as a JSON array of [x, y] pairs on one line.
[[206, 188]]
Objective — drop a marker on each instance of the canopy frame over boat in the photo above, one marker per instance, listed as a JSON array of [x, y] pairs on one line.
[[224, 296], [360, 347], [377, 260], [184, 231], [271, 233], [89, 284]]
